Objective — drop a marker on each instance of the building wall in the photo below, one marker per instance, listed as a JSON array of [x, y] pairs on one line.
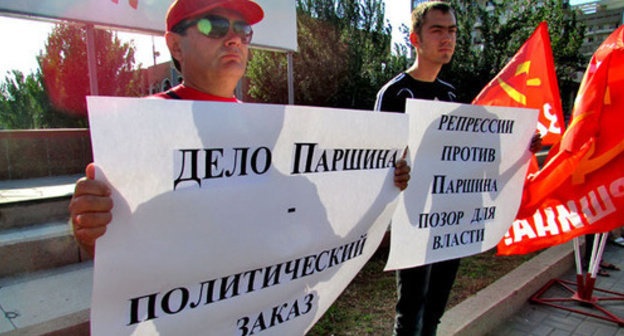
[[601, 18], [38, 153], [160, 77]]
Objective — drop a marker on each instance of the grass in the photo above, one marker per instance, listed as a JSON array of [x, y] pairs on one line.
[[366, 307]]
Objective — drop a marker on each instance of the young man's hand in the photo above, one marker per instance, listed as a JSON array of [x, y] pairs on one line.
[[536, 143], [401, 174]]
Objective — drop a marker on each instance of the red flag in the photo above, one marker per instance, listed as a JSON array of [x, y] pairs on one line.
[[529, 80], [581, 191]]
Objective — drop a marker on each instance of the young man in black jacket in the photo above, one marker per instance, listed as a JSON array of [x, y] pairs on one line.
[[423, 291]]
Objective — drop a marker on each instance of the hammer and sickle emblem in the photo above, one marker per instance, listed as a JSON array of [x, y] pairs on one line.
[[511, 91]]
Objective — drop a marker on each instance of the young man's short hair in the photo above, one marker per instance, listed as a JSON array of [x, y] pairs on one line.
[[420, 12]]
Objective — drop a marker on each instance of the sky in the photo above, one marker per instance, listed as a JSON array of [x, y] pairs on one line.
[[20, 50]]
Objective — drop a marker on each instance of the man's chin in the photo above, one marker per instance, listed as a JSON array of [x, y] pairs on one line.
[[233, 62], [447, 59], [233, 68]]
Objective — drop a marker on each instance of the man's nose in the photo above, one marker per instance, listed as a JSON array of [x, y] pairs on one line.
[[232, 38], [447, 35]]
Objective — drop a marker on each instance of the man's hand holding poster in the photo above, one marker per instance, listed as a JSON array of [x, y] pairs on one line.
[[468, 167], [235, 219]]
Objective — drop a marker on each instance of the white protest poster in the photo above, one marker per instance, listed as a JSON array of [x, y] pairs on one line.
[[235, 219], [468, 168]]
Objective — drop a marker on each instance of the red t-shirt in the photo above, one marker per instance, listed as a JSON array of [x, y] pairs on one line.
[[187, 93]]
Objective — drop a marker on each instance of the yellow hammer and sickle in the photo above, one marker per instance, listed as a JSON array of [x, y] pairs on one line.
[[514, 94], [588, 165]]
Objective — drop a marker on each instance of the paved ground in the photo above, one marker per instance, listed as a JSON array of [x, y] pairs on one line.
[[542, 320]]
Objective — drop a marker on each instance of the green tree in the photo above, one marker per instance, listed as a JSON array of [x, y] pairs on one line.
[[343, 59], [24, 104], [22, 101], [54, 96], [490, 34], [64, 67]]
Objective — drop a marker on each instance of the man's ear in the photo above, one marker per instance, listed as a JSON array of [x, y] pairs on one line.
[[173, 43], [414, 39]]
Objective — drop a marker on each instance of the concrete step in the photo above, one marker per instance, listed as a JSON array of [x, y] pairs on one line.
[[36, 248], [28, 202], [27, 213], [45, 287], [34, 230], [52, 302]]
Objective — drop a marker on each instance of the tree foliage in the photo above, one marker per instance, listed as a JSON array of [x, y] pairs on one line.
[[24, 104], [22, 101], [343, 59], [65, 72], [344, 50], [490, 34], [54, 96]]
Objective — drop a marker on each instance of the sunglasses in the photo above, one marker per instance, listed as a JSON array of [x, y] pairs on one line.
[[216, 27]]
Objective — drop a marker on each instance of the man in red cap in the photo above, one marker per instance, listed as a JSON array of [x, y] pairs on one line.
[[208, 41]]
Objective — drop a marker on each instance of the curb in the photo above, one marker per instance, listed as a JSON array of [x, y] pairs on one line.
[[484, 311], [73, 324]]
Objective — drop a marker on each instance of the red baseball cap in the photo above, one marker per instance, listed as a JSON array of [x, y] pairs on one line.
[[184, 9]]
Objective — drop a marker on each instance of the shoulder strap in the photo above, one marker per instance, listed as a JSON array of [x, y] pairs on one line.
[[172, 94]]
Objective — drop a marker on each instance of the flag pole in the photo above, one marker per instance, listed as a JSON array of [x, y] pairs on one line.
[[584, 292], [592, 269], [579, 266], [597, 252]]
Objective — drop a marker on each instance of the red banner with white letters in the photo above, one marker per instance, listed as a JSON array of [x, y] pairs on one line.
[[581, 189]]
